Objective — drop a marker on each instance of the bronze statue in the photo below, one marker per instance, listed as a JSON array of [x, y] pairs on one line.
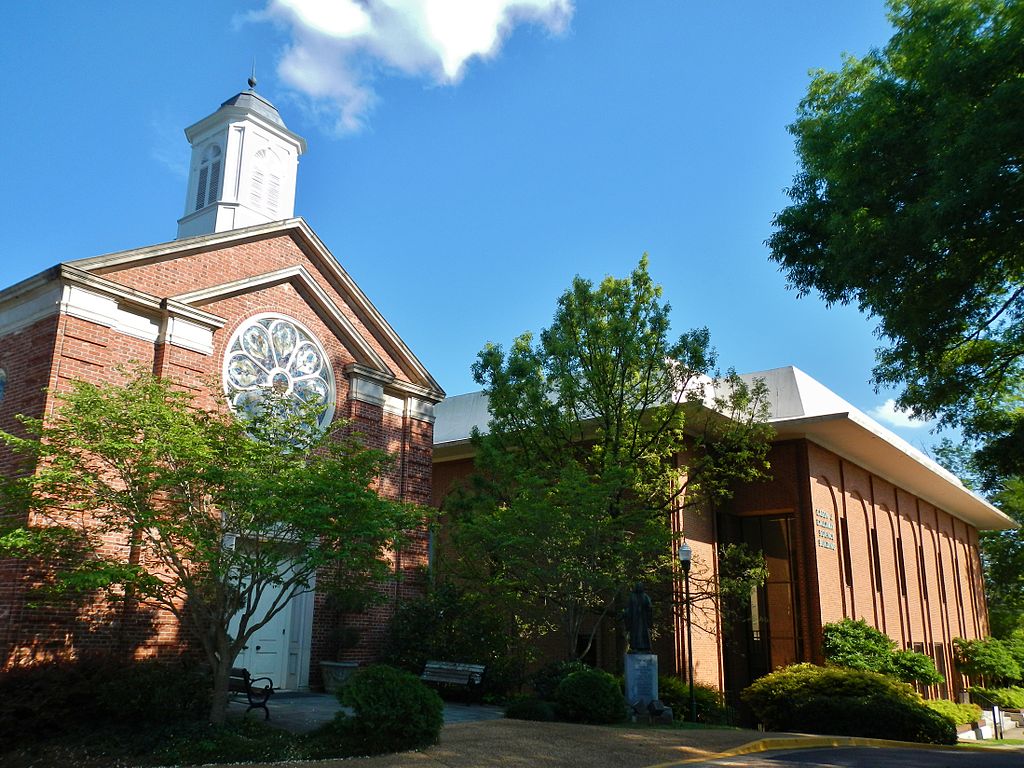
[[638, 615]]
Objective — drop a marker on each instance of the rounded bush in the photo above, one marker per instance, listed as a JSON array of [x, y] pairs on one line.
[[711, 708], [845, 702], [590, 696], [547, 679], [392, 711], [530, 708]]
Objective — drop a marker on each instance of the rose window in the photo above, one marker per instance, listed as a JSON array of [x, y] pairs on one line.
[[273, 352]]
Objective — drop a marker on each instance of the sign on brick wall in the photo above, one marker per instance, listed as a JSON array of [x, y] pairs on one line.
[[825, 529]]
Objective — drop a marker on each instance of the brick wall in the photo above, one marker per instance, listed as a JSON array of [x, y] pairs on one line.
[[62, 348], [937, 594], [25, 357]]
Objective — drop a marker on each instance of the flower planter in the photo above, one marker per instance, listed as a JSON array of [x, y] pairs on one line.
[[336, 674]]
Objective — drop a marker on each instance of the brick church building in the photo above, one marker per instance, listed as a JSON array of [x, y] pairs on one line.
[[853, 523], [242, 279]]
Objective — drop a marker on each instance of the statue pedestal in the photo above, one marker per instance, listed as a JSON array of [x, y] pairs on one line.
[[641, 678]]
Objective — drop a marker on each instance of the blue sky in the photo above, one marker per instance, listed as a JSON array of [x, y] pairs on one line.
[[461, 190]]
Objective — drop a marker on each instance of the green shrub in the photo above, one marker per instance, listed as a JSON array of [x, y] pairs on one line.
[[958, 714], [453, 624], [711, 708], [856, 645], [913, 667], [68, 696], [392, 711], [244, 740], [1011, 697], [547, 679], [988, 658], [590, 696], [530, 708], [846, 702]]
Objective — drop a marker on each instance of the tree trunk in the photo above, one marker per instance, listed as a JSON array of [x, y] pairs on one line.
[[221, 675]]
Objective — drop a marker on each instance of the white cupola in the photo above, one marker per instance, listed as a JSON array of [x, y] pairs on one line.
[[244, 163]]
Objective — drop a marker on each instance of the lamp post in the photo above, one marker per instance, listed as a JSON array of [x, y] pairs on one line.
[[685, 557]]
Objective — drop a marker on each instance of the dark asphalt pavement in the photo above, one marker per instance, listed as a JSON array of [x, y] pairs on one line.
[[874, 757]]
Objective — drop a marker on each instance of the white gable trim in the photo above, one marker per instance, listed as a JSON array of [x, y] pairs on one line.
[[311, 290], [316, 251]]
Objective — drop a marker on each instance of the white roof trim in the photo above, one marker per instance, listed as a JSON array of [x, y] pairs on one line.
[[801, 408], [314, 248]]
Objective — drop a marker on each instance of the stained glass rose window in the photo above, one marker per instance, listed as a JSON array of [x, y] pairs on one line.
[[274, 352]]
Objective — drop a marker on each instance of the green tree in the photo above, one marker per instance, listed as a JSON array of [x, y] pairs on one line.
[[910, 203], [986, 658], [857, 645], [596, 433], [213, 511]]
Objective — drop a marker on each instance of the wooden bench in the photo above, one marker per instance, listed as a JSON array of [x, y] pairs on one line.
[[242, 682], [468, 676]]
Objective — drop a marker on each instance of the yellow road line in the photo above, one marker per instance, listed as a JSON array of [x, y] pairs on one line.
[[811, 742]]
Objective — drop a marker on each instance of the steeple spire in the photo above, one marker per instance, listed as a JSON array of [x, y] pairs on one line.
[[252, 77]]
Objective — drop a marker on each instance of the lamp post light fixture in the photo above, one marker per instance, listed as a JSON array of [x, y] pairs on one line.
[[685, 558]]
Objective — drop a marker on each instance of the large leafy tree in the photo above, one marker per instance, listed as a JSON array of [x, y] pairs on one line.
[[596, 434], [910, 203], [135, 493], [1002, 552]]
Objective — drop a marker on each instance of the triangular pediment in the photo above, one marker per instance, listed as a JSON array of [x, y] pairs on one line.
[[344, 288]]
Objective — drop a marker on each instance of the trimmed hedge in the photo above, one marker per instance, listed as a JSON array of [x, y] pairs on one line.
[[68, 696], [959, 714], [1006, 698], [845, 702], [590, 696]]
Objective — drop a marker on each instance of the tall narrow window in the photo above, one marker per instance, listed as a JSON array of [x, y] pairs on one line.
[[208, 182], [844, 532], [876, 560], [902, 566], [924, 570]]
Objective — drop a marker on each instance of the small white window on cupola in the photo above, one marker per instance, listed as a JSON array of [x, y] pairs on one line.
[[265, 188], [208, 186]]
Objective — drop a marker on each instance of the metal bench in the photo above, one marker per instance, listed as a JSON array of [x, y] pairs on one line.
[[450, 673], [242, 682]]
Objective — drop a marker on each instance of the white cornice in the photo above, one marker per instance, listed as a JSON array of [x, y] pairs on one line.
[[235, 114], [75, 292]]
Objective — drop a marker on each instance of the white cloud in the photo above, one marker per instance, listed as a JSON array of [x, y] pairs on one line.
[[890, 414], [337, 46]]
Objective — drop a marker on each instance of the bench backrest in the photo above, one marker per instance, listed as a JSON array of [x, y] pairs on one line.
[[452, 672]]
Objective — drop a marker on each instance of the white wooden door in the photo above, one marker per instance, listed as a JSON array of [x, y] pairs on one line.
[[266, 653]]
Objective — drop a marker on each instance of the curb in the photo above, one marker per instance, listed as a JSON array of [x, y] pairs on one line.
[[811, 742]]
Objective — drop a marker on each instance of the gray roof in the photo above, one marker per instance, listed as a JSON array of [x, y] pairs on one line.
[[255, 103]]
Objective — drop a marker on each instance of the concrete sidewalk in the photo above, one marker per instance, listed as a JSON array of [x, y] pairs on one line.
[[303, 712]]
